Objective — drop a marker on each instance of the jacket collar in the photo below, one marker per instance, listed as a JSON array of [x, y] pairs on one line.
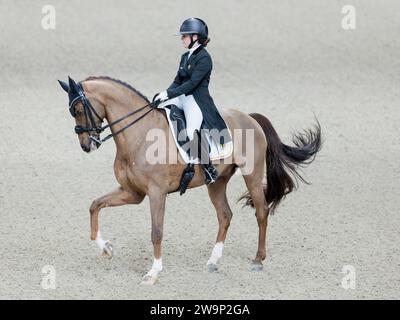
[[195, 52], [191, 50]]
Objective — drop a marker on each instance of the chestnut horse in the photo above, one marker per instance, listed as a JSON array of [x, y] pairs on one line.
[[130, 116]]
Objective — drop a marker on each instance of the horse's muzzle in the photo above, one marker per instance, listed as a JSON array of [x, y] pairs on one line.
[[85, 148]]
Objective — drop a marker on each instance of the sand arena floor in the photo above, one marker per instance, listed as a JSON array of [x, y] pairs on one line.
[[285, 59]]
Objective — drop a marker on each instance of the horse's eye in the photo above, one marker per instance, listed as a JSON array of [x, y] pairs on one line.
[[78, 113]]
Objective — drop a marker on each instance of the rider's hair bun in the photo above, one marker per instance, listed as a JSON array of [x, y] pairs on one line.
[[204, 42]]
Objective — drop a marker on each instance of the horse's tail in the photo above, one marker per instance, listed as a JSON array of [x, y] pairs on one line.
[[282, 160]]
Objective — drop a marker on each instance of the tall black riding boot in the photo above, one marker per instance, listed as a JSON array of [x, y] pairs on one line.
[[189, 172], [210, 173]]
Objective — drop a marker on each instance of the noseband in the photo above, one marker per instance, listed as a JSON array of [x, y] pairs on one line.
[[91, 127], [88, 111]]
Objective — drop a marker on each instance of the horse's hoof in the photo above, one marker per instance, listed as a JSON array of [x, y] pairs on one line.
[[212, 267], [149, 280], [108, 250], [257, 267]]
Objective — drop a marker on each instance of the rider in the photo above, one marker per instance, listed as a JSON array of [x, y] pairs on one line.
[[189, 91]]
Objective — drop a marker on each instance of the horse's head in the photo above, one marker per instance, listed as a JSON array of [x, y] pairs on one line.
[[88, 112]]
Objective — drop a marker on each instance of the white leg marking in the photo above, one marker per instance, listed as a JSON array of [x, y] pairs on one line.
[[216, 253], [155, 269], [104, 245], [99, 240]]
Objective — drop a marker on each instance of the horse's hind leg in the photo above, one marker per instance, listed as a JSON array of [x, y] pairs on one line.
[[115, 198], [217, 193], [255, 186]]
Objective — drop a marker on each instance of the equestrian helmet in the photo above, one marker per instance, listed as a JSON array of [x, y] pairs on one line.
[[194, 26]]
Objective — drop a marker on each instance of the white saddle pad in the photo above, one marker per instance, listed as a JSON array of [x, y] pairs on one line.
[[218, 151]]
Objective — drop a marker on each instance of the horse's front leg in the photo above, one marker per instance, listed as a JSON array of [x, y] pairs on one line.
[[157, 208], [115, 198]]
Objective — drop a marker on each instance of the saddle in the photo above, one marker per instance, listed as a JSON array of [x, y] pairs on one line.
[[177, 123]]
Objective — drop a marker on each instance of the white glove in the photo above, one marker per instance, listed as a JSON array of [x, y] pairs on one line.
[[162, 96]]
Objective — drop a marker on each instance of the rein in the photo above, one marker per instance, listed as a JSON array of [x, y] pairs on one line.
[[89, 111]]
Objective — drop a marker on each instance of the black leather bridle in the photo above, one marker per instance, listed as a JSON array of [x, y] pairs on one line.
[[91, 126]]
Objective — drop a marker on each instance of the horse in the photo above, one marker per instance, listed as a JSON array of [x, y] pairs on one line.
[[274, 164]]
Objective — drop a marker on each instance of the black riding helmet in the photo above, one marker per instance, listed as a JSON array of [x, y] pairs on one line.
[[193, 26]]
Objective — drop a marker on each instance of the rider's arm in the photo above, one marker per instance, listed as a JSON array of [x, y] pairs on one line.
[[200, 70]]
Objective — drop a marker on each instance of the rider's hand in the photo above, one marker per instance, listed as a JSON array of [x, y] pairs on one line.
[[162, 96], [155, 96]]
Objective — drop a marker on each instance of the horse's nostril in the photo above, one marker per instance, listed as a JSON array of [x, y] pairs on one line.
[[85, 148]]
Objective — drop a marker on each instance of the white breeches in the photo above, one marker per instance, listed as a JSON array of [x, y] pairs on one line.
[[193, 114]]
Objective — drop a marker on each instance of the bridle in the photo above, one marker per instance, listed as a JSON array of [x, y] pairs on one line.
[[91, 126]]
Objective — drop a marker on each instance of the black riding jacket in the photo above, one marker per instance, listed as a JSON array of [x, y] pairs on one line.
[[193, 78]]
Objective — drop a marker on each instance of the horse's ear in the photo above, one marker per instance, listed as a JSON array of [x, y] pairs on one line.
[[73, 86], [64, 86]]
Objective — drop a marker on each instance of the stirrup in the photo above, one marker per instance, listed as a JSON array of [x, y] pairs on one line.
[[210, 173]]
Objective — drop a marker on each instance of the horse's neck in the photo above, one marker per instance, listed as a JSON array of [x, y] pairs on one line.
[[131, 139]]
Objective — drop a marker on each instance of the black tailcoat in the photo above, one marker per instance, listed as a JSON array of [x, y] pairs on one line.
[[193, 77]]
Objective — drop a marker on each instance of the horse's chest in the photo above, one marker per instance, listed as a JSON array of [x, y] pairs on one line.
[[128, 176], [120, 173]]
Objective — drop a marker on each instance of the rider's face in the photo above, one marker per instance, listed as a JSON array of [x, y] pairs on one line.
[[186, 40]]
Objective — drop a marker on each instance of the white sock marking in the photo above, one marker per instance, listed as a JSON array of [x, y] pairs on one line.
[[216, 253], [155, 269], [99, 240]]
